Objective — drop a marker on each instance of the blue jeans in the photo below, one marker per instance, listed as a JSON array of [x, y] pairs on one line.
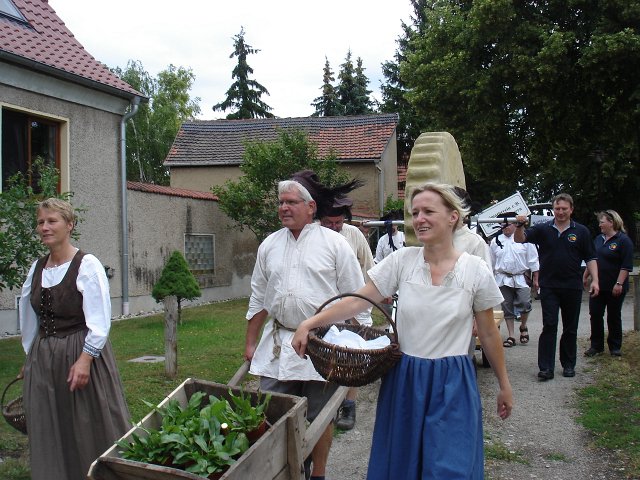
[[565, 301], [613, 305]]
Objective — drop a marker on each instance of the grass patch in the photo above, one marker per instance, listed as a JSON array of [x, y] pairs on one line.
[[210, 347], [555, 457], [500, 452], [610, 408]]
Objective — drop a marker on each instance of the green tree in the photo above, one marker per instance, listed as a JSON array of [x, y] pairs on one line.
[[393, 89], [327, 104], [176, 279], [151, 132], [245, 94], [19, 243], [363, 102], [346, 89], [546, 94], [252, 200]]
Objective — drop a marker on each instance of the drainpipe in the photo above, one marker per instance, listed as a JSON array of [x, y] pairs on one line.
[[381, 198], [123, 202]]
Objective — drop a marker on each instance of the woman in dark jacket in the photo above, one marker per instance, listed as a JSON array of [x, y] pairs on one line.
[[615, 260]]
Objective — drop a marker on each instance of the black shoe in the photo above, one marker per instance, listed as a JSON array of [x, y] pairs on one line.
[[616, 353], [346, 417], [545, 375], [568, 372], [592, 352]]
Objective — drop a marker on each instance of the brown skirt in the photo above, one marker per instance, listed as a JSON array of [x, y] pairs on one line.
[[69, 430]]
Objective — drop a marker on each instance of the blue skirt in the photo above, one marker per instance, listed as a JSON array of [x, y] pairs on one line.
[[428, 422]]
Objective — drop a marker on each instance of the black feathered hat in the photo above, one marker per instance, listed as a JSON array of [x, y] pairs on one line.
[[326, 198], [341, 206]]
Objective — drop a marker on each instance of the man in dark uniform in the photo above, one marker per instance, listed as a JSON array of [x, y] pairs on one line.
[[563, 244]]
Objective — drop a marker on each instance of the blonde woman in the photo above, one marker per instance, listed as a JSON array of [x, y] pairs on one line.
[[74, 402], [614, 251], [429, 415]]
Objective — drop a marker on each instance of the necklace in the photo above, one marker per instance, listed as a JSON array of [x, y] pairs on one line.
[[51, 264]]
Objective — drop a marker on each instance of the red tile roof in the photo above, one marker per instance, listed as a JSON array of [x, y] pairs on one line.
[[46, 44], [221, 142], [174, 192]]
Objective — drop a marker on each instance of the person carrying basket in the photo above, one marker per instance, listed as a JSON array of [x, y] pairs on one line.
[[429, 414]]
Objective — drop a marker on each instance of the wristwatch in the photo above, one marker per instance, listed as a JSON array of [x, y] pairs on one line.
[[618, 283]]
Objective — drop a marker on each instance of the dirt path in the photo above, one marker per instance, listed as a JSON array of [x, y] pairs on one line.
[[541, 430]]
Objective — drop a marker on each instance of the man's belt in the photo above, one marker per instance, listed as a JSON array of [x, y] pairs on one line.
[[511, 274]]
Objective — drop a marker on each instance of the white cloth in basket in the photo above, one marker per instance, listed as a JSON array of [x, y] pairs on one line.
[[349, 339]]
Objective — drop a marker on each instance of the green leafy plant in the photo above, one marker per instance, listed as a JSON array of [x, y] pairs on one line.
[[197, 438], [242, 415], [147, 449], [19, 243]]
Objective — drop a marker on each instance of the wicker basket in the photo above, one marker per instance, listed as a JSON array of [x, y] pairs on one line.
[[353, 367], [13, 411]]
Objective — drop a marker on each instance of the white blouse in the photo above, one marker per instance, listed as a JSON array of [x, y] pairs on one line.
[[92, 282], [291, 279]]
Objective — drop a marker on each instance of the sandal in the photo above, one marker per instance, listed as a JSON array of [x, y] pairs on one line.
[[524, 335], [509, 342]]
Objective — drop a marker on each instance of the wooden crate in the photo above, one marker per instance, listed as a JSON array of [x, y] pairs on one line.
[[277, 455]]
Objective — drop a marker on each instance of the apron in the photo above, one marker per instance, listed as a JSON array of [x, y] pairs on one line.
[[435, 321], [429, 413]]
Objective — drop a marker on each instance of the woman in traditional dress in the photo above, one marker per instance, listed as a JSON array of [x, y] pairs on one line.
[[429, 414], [74, 401]]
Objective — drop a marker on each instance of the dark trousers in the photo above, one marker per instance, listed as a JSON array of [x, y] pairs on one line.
[[565, 301], [613, 306]]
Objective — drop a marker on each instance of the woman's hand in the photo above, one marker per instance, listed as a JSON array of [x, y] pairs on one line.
[[505, 403], [80, 372], [300, 339]]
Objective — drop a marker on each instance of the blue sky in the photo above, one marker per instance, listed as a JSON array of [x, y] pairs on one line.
[[294, 36]]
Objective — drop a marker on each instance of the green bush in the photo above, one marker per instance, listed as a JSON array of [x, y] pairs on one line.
[[176, 279]]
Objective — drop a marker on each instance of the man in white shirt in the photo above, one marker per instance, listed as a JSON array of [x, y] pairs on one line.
[[334, 220], [392, 240], [511, 261], [297, 269], [387, 244]]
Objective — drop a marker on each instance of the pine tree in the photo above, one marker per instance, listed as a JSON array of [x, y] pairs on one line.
[[346, 87], [176, 279], [244, 93], [328, 104], [363, 103]]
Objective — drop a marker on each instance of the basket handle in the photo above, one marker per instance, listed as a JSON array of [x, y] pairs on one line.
[[2, 405], [342, 295]]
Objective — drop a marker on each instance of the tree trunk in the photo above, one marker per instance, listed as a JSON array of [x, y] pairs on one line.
[[170, 336]]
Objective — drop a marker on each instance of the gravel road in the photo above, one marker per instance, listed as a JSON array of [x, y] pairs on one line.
[[541, 429]]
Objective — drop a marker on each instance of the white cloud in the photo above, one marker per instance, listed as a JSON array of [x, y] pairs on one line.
[[293, 38]]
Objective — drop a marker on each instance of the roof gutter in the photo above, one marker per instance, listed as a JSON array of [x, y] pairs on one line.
[[135, 102], [72, 77]]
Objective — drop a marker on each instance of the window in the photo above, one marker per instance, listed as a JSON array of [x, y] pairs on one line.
[[26, 137], [9, 9], [198, 251]]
